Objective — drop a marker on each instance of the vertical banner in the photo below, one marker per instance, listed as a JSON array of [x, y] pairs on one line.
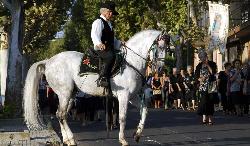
[[218, 26]]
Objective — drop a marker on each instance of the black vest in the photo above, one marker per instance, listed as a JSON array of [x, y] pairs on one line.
[[107, 35]]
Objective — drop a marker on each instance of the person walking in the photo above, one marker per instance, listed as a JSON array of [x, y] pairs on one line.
[[165, 90], [175, 89], [222, 84], [205, 73], [190, 89], [156, 86], [183, 87], [246, 88], [235, 87]]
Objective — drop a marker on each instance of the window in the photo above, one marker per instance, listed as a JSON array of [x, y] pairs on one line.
[[244, 16]]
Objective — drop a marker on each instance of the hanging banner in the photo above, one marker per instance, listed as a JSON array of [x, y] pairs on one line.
[[218, 26]]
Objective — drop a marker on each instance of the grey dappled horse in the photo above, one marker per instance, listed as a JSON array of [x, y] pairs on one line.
[[61, 72]]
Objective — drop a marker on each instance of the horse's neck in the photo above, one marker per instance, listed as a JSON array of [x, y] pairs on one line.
[[140, 44], [137, 60]]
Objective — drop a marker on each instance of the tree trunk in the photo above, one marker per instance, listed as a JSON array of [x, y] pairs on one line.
[[192, 13], [3, 64], [178, 52], [178, 41], [14, 76]]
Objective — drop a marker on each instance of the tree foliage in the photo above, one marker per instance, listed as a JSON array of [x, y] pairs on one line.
[[77, 30], [42, 20]]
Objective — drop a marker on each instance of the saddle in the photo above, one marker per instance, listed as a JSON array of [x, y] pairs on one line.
[[91, 63]]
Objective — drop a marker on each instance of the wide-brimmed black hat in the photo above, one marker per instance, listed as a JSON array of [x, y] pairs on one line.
[[111, 6]]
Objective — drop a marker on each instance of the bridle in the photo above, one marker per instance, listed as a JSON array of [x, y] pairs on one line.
[[147, 59]]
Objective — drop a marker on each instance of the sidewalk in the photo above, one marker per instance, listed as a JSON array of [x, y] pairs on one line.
[[15, 133]]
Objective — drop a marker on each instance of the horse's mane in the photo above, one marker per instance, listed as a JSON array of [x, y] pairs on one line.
[[138, 37]]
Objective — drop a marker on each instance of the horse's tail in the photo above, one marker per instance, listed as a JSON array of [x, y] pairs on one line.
[[30, 96]]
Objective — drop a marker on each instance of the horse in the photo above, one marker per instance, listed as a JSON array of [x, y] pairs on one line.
[[61, 72]]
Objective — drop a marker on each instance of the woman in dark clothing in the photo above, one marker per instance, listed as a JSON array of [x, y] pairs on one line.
[[175, 88], [156, 86], [183, 86], [222, 84], [190, 89], [205, 73], [165, 90], [246, 87]]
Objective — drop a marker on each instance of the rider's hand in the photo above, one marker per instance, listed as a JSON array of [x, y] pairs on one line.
[[101, 46]]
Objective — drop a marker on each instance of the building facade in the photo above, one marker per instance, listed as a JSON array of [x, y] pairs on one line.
[[238, 44]]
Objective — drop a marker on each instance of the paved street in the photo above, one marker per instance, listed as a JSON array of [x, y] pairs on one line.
[[170, 128]]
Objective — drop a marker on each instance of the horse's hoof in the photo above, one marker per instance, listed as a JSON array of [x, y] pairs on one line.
[[69, 143], [124, 144], [64, 144], [136, 137]]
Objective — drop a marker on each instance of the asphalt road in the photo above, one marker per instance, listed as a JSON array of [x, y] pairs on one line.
[[170, 128]]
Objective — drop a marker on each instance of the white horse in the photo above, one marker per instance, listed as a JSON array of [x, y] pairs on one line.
[[61, 72]]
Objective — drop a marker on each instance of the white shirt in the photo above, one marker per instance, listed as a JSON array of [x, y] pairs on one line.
[[96, 33]]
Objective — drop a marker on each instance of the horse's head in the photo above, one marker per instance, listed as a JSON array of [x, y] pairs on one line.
[[163, 41], [140, 46]]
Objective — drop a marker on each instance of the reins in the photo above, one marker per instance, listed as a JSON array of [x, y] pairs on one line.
[[143, 78], [136, 53]]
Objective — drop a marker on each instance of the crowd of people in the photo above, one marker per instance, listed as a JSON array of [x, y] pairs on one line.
[[201, 88], [193, 89]]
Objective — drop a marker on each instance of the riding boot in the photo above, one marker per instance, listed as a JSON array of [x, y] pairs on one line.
[[103, 80]]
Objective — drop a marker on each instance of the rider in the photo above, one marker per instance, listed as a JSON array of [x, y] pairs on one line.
[[102, 36]]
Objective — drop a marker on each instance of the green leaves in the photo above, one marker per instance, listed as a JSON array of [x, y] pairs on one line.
[[43, 19]]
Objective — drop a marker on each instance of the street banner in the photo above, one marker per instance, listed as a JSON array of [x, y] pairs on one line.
[[218, 26]]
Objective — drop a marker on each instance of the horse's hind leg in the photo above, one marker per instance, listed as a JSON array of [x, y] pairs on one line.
[[62, 116]]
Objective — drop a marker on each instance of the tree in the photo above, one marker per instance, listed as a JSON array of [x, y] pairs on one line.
[[135, 16], [36, 37], [13, 91], [43, 20], [78, 28]]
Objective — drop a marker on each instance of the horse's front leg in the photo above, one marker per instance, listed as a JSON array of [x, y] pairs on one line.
[[123, 106], [140, 127]]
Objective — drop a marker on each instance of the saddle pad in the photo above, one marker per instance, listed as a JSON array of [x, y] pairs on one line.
[[90, 64]]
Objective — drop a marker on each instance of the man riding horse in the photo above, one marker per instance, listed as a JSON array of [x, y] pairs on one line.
[[102, 35]]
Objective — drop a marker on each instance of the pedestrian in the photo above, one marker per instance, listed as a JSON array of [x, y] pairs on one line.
[[184, 88], [246, 87], [190, 89], [42, 91], [175, 89], [205, 73], [235, 88], [156, 87], [222, 86], [148, 94], [165, 82], [52, 101]]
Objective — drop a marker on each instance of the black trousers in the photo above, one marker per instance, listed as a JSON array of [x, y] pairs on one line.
[[108, 59]]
